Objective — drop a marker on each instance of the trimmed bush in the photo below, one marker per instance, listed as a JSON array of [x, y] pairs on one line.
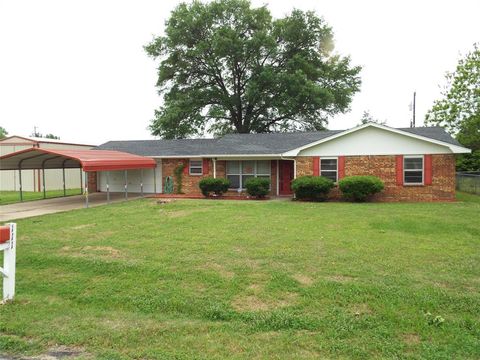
[[360, 188], [258, 187], [216, 186], [315, 188]]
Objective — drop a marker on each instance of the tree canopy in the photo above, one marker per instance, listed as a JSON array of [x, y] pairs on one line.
[[459, 108], [227, 67], [3, 132]]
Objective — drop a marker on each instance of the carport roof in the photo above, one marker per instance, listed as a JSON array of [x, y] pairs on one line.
[[89, 160]]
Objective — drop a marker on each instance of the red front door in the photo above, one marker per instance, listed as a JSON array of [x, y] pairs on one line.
[[286, 177]]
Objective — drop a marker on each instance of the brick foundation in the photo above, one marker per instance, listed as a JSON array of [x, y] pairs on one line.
[[443, 177]]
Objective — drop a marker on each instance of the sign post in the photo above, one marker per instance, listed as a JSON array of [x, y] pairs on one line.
[[8, 243]]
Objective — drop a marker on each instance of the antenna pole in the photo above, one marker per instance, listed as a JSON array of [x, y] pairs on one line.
[[414, 98]]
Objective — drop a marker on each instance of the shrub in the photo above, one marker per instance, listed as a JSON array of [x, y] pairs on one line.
[[258, 187], [315, 188], [210, 185], [360, 188]]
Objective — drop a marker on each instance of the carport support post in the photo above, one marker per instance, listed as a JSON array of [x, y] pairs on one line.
[[86, 189], [108, 188], [20, 183], [81, 182], [126, 186], [43, 178], [155, 180], [64, 189], [141, 181]]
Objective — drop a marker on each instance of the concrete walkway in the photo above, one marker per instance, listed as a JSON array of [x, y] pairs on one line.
[[50, 206]]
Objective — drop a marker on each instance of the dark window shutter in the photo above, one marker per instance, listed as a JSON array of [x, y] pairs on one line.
[[341, 167], [316, 166], [399, 166], [205, 166], [427, 168], [186, 169]]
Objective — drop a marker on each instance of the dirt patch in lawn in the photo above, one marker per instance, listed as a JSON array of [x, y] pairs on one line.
[[106, 252], [361, 309], [411, 339], [56, 353], [303, 279], [83, 226], [340, 278], [254, 303], [219, 269]]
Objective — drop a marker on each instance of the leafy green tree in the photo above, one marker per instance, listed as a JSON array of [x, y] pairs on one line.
[[459, 109], [227, 67], [3, 132], [51, 136], [368, 118]]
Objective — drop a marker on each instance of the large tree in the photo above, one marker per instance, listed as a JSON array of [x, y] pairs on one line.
[[459, 108], [3, 132], [227, 67]]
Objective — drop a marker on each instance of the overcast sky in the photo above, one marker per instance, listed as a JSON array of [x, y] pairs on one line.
[[78, 69]]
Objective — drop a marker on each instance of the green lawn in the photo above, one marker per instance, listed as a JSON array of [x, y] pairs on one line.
[[10, 197], [241, 279]]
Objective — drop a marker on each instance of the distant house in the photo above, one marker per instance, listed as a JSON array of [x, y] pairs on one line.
[[416, 164], [32, 179]]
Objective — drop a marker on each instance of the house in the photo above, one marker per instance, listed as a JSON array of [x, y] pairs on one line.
[[34, 179], [416, 164]]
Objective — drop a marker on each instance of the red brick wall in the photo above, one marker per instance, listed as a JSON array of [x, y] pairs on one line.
[[190, 182], [443, 177], [92, 182]]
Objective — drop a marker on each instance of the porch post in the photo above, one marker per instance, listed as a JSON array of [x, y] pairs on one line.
[[141, 181], [86, 189], [278, 177], [294, 168], [108, 187], [214, 168], [126, 185]]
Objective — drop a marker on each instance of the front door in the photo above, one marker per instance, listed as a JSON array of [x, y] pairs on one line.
[[286, 177]]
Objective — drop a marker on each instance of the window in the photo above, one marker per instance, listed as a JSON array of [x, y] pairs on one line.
[[238, 172], [196, 167], [413, 170], [329, 168]]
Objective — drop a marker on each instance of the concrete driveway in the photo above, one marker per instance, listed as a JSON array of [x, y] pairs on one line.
[[50, 206]]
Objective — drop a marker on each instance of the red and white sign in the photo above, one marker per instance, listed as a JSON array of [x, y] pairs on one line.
[[8, 242]]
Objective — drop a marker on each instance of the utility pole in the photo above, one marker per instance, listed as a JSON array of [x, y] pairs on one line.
[[412, 123]]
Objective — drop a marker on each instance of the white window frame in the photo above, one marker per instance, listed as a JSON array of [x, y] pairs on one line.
[[240, 174], [414, 170], [195, 167], [328, 158]]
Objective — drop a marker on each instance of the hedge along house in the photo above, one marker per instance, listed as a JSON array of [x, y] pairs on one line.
[[416, 164]]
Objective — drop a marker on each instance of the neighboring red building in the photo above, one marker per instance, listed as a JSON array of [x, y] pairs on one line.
[[416, 164]]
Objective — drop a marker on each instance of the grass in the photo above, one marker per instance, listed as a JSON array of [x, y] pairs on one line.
[[267, 279], [11, 197]]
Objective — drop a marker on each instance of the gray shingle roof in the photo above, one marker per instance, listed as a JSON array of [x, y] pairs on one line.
[[248, 144]]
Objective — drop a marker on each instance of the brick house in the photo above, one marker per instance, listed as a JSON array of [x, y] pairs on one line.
[[416, 164]]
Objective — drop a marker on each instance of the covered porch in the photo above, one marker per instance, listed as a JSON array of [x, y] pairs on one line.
[[280, 171]]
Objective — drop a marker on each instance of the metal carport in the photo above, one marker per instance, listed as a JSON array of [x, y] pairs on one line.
[[88, 160]]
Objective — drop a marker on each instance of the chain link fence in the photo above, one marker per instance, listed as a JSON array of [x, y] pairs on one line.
[[468, 182]]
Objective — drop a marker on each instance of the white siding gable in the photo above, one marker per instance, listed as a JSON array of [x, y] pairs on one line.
[[374, 141]]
